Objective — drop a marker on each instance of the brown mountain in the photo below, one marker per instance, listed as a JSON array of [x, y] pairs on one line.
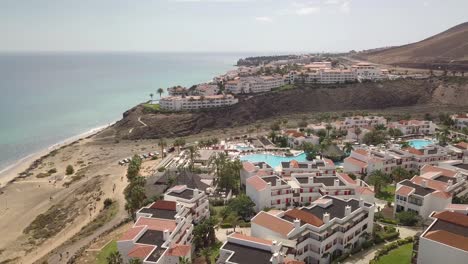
[[447, 50]]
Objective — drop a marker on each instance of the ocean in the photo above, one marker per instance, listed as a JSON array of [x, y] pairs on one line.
[[46, 98]]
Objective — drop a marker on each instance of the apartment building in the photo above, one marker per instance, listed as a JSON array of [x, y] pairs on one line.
[[243, 249], [194, 199], [162, 234], [254, 84], [297, 138], [303, 188], [460, 120], [367, 71], [318, 166], [360, 121], [327, 228], [445, 240], [322, 76], [177, 91], [365, 161], [269, 192], [250, 169], [414, 127], [206, 89], [190, 103]]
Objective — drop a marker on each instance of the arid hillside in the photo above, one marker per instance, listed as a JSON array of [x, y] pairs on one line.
[[448, 50], [138, 123]]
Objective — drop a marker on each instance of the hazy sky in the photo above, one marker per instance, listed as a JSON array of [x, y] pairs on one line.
[[221, 25]]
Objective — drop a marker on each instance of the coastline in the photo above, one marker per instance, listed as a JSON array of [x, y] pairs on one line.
[[13, 171]]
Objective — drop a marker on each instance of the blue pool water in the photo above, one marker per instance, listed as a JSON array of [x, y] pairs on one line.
[[272, 160], [420, 143]]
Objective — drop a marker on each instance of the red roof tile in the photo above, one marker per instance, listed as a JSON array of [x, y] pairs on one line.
[[452, 217], [248, 166], [361, 151], [441, 194], [252, 239], [257, 183], [131, 233], [364, 190], [404, 190], [445, 172], [140, 251], [413, 151], [304, 217], [356, 162], [164, 205], [433, 184], [179, 250], [448, 238], [156, 224], [273, 223], [346, 178]]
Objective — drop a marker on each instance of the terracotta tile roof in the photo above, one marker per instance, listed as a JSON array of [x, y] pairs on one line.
[[433, 184], [248, 166], [346, 178], [156, 223], [131, 233], [362, 152], [179, 250], [445, 172], [457, 207], [304, 217], [329, 161], [404, 190], [257, 183], [451, 217], [164, 205], [448, 238], [413, 151], [140, 251], [262, 173], [275, 212], [356, 162], [252, 239], [462, 145], [442, 194], [364, 190], [294, 164], [295, 134], [273, 223]]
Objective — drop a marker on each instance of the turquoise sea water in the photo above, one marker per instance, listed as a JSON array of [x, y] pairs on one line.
[[272, 160], [46, 98], [420, 143]]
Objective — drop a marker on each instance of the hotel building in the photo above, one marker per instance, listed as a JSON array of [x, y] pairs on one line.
[[194, 199], [190, 103], [461, 120], [414, 127], [318, 233], [254, 84], [445, 240], [367, 71]]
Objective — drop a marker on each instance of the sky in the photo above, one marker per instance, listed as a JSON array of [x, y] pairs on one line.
[[222, 25]]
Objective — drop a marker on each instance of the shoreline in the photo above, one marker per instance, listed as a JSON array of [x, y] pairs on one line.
[[13, 171]]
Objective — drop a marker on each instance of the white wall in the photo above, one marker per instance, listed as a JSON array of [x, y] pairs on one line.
[[432, 252]]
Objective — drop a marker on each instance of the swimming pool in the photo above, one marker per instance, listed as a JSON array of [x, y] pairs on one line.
[[420, 143], [272, 160]]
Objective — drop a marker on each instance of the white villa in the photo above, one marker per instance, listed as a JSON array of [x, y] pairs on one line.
[[412, 127], [254, 84], [367, 71], [461, 120]]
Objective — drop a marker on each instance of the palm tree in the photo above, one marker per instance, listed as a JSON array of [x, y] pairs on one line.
[[272, 135], [162, 144], [357, 131], [151, 95], [378, 179], [348, 147], [405, 144], [443, 135], [206, 254], [114, 258], [234, 220], [328, 127], [135, 261], [179, 143], [193, 152], [160, 92], [399, 174]]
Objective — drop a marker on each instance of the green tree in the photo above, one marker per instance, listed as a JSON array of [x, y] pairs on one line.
[[275, 126], [443, 135], [378, 179], [234, 220], [114, 258], [193, 153], [405, 144], [375, 137], [69, 170], [184, 260], [328, 127], [408, 218], [395, 132], [134, 167], [399, 173], [358, 132], [348, 147], [242, 206], [135, 195], [204, 233], [179, 142], [160, 92], [206, 253], [310, 150], [151, 96], [135, 261], [380, 127], [272, 136]]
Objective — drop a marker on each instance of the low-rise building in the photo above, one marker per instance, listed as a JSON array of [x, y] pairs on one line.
[[322, 76], [243, 249], [460, 120], [445, 240], [327, 228], [177, 91], [194, 199], [254, 84], [269, 192], [319, 166], [414, 127], [360, 121], [250, 169], [190, 103], [206, 89], [297, 138], [367, 71], [161, 234]]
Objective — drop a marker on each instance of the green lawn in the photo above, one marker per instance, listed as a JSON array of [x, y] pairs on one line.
[[152, 106], [401, 255], [387, 193], [106, 251]]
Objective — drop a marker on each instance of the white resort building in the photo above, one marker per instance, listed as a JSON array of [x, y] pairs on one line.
[[325, 229], [461, 120], [188, 103], [194, 199], [254, 84], [445, 240], [414, 127], [367, 71]]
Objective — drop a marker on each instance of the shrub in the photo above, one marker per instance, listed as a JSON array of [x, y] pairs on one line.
[[161, 169], [408, 218], [69, 170], [42, 175], [225, 225], [107, 203], [52, 171]]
